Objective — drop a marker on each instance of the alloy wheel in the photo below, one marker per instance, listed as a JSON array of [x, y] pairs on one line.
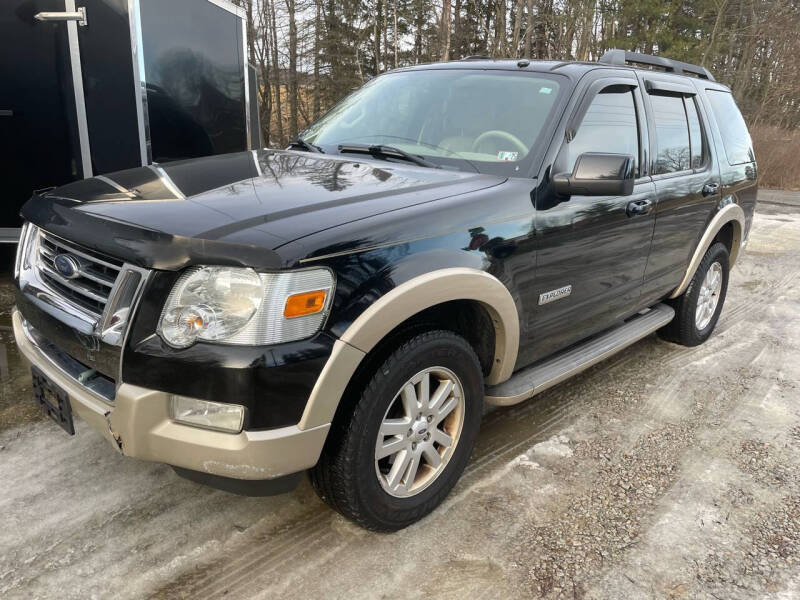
[[709, 296], [419, 432]]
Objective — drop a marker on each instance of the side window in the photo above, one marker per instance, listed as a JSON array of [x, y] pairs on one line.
[[608, 126], [697, 138], [735, 137], [672, 134]]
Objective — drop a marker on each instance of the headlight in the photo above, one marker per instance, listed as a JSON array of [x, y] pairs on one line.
[[239, 306]]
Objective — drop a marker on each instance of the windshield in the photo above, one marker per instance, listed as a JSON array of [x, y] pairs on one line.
[[486, 121]]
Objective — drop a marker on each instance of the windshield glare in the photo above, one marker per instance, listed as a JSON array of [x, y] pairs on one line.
[[487, 119]]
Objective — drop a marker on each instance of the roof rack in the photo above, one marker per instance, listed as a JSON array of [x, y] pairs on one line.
[[623, 57]]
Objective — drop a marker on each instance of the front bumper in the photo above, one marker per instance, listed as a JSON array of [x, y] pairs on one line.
[[137, 424]]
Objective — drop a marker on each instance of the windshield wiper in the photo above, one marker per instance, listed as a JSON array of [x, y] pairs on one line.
[[381, 151], [304, 145]]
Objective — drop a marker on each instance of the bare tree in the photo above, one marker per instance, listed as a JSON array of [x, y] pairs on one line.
[[276, 69], [444, 30], [310, 53], [293, 90]]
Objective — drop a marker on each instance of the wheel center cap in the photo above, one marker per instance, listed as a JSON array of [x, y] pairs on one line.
[[419, 429]]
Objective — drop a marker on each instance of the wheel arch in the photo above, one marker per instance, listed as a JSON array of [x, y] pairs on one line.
[[729, 218], [402, 304]]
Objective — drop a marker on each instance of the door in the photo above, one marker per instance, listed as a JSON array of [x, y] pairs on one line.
[[592, 251], [686, 176], [109, 89], [39, 127]]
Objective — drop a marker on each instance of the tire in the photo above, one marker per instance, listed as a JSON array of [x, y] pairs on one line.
[[350, 477], [688, 328]]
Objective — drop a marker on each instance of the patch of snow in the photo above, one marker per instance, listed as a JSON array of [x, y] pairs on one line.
[[524, 461], [556, 447]]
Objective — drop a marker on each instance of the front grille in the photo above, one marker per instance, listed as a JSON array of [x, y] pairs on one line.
[[95, 277]]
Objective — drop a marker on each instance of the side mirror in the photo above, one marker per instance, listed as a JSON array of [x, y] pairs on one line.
[[597, 174]]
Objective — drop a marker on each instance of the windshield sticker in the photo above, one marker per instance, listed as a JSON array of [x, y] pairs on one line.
[[545, 90], [507, 156]]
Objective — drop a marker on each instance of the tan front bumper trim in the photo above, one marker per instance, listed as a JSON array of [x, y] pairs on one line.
[[138, 424]]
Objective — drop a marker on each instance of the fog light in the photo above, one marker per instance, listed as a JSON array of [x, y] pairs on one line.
[[209, 415]]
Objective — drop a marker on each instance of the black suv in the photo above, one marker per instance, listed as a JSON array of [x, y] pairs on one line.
[[448, 235]]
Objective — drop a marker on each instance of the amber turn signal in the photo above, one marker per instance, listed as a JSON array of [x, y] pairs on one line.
[[307, 303]]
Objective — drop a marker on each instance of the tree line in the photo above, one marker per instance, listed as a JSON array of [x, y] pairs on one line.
[[310, 53]]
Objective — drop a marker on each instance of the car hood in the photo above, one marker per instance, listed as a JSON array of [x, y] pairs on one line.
[[235, 208]]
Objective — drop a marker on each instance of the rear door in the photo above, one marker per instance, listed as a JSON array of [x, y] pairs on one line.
[[593, 246], [686, 175]]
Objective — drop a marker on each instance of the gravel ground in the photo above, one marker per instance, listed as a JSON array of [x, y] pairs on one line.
[[663, 472]]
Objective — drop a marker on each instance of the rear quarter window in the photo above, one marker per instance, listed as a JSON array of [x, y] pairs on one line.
[[735, 137]]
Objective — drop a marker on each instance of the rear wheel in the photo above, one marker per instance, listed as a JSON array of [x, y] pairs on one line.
[[697, 310], [409, 437]]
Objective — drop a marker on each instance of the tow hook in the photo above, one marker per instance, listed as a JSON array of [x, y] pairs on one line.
[[84, 377]]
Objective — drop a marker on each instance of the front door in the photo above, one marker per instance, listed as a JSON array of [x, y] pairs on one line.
[[592, 251]]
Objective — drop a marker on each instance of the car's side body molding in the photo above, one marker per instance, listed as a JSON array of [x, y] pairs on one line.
[[730, 213], [402, 303]]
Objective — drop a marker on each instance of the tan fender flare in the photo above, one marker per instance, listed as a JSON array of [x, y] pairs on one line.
[[400, 304], [731, 213]]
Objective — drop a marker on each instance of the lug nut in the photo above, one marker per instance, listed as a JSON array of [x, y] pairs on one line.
[[430, 418], [414, 445], [410, 433]]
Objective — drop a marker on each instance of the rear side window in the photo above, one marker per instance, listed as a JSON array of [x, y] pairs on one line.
[[672, 134], [609, 125], [735, 137]]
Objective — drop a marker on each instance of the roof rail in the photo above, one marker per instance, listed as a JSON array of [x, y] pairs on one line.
[[623, 57], [477, 57]]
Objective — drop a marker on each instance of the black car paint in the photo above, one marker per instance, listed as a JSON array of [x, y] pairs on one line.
[[216, 210], [377, 224], [589, 242]]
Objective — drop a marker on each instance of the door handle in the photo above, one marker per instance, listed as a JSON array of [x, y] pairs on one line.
[[76, 15], [638, 207], [710, 189]]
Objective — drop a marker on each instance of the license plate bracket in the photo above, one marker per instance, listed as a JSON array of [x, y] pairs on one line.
[[53, 400]]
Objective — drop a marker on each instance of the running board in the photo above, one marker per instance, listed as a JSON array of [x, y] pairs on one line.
[[547, 373]]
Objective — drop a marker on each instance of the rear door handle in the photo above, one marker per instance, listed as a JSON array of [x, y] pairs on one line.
[[710, 189], [638, 207]]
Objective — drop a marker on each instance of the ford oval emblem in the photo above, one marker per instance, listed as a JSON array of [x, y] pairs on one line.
[[67, 266]]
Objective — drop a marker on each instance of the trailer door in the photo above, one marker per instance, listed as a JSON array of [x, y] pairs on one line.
[[109, 89], [40, 137]]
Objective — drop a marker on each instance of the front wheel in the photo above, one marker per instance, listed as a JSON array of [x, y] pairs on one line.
[[409, 437], [697, 310]]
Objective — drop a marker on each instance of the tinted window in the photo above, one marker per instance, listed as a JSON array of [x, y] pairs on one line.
[[608, 126], [697, 140], [672, 134], [735, 136]]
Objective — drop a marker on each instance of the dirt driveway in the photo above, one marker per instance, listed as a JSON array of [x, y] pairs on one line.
[[663, 472]]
